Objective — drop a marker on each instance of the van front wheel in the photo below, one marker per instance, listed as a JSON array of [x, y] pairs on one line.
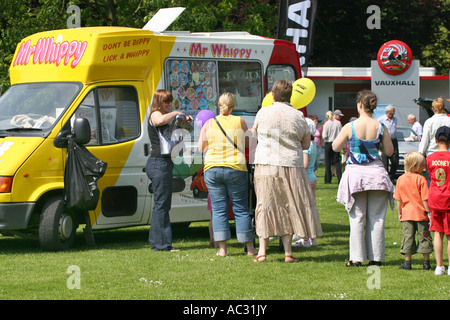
[[57, 228]]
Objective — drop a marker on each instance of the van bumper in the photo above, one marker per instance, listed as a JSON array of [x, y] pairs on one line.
[[15, 216]]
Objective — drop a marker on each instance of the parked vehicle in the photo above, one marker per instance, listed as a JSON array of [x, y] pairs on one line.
[[107, 75], [408, 141]]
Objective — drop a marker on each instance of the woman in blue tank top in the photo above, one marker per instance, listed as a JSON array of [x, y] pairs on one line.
[[365, 187]]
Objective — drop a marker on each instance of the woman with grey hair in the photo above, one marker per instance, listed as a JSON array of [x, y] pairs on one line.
[[285, 202]]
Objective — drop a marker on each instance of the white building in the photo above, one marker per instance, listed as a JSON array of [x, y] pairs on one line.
[[336, 88]]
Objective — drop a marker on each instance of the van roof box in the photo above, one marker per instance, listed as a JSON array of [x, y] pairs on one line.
[[208, 34], [163, 19]]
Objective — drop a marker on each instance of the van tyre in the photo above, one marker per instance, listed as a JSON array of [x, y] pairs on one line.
[[57, 228]]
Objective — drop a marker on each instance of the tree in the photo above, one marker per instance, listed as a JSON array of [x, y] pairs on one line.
[[342, 26], [437, 52], [341, 34]]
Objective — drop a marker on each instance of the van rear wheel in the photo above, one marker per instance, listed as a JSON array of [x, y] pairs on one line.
[[57, 228]]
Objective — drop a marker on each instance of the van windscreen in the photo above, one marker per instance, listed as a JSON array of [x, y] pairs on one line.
[[35, 106]]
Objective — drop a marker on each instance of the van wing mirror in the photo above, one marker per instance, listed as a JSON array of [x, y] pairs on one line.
[[82, 131]]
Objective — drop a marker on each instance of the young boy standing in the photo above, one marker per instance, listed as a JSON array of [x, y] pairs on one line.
[[438, 165], [411, 194]]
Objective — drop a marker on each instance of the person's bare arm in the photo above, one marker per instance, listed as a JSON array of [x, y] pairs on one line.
[[342, 138], [305, 160], [386, 146], [400, 212], [160, 119], [202, 143]]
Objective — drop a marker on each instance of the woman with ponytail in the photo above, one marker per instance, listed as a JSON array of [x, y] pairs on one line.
[[226, 174], [365, 188]]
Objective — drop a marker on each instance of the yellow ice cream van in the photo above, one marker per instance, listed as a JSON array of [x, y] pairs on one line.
[[107, 75]]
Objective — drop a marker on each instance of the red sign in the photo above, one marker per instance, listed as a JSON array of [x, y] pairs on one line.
[[394, 57]]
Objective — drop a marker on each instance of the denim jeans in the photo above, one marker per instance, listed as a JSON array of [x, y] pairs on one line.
[[159, 170], [225, 183]]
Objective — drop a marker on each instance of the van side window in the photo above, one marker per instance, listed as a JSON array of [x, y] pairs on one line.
[[277, 72], [193, 84], [244, 80], [197, 84], [113, 114]]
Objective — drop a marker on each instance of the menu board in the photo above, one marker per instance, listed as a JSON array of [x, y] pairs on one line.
[[193, 84]]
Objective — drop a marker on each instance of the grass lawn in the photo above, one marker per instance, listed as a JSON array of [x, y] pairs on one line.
[[122, 266]]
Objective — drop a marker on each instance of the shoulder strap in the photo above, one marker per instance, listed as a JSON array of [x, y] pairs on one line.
[[353, 129], [150, 120], [158, 129], [381, 128], [229, 139]]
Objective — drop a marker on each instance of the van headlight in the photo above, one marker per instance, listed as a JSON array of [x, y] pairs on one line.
[[5, 184]]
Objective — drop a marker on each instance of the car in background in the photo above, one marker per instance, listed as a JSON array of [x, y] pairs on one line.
[[408, 140]]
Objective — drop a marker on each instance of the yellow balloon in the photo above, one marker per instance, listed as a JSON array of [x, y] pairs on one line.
[[303, 92], [268, 100]]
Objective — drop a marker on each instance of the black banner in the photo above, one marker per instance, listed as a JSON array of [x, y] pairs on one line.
[[296, 24]]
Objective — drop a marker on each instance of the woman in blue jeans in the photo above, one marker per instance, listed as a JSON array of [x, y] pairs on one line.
[[159, 169], [226, 175]]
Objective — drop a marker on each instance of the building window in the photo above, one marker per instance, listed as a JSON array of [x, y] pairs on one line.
[[345, 99]]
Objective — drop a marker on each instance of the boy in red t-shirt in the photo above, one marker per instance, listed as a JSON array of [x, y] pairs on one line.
[[438, 165], [411, 193]]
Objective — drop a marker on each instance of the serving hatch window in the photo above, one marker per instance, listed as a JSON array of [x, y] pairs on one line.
[[244, 80], [197, 84], [277, 72]]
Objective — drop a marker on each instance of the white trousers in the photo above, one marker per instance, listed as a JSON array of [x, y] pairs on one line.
[[366, 217]]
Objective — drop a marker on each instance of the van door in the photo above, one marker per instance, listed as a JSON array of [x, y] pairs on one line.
[[117, 138]]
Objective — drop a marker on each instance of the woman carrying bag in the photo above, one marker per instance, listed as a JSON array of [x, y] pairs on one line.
[[226, 176], [159, 169]]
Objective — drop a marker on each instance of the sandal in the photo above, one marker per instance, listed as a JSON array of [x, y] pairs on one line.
[[261, 258], [219, 254], [353, 264], [290, 258]]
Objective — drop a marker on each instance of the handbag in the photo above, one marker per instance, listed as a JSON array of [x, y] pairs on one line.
[[167, 140], [229, 139]]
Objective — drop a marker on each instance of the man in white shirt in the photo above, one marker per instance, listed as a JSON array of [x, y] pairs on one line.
[[416, 126], [390, 121]]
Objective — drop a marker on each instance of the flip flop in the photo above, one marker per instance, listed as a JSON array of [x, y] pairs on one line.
[[261, 258], [353, 264], [290, 259]]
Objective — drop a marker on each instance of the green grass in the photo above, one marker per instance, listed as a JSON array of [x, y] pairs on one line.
[[122, 266]]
